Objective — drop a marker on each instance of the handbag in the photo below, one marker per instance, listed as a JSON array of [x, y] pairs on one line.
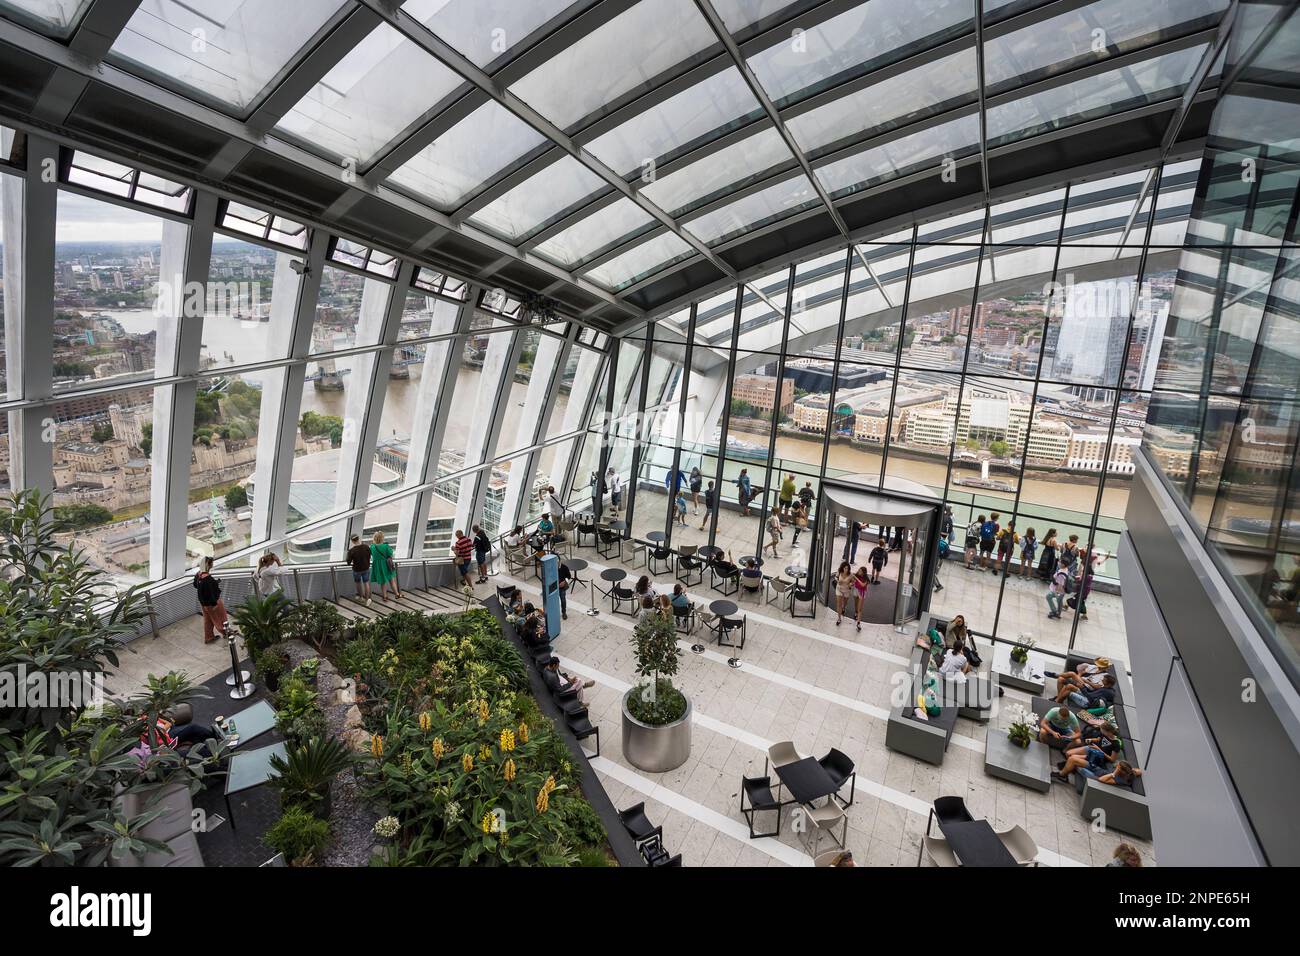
[[972, 655]]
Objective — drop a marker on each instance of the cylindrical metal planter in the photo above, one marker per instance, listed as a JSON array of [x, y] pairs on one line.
[[656, 749]]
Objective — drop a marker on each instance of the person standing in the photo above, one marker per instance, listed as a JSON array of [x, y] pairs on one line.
[[383, 570], [807, 496], [798, 518], [972, 541], [851, 545], [710, 502], [744, 491], [1047, 563], [681, 506], [860, 581], [563, 575], [615, 482], [482, 551], [697, 481], [878, 558], [463, 547], [773, 533], [786, 495], [210, 603], [267, 574], [1028, 546], [359, 560], [1007, 541], [843, 589], [945, 524], [1056, 592]]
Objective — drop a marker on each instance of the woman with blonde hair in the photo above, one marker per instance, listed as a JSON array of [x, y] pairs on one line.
[[383, 570]]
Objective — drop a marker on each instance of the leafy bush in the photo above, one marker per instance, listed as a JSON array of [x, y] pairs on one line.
[[580, 822], [62, 768], [263, 621], [304, 774], [301, 837], [271, 664], [297, 707], [590, 856], [318, 623]]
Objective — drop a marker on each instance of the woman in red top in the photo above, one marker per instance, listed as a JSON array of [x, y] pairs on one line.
[[861, 579]]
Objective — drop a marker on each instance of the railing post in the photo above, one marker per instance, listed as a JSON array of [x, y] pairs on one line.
[[424, 569], [334, 582], [297, 586], [153, 615]]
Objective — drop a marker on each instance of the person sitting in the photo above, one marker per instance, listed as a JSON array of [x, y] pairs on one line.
[[680, 599], [1059, 728], [1085, 677], [516, 537], [533, 627], [558, 682], [1124, 774], [645, 587], [955, 666], [649, 608], [1100, 748], [1095, 697], [515, 602], [724, 565], [1125, 855], [843, 858], [751, 575], [664, 605], [956, 631], [546, 527]]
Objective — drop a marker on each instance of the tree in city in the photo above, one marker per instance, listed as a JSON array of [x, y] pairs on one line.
[[76, 517], [314, 424], [743, 409], [102, 432], [236, 497], [998, 448], [146, 440]]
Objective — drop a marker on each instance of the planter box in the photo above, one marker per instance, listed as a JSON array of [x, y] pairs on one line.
[[656, 749]]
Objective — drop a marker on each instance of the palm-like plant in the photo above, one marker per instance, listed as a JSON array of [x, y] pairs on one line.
[[304, 775], [263, 621]]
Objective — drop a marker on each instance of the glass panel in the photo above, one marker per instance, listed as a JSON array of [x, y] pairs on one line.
[[540, 198], [640, 261], [729, 168], [757, 209], [1006, 335], [922, 425], [1112, 92], [623, 54], [473, 151], [344, 299], [366, 100], [872, 323], [937, 325], [1087, 333], [906, 98], [229, 50], [681, 122], [102, 478], [951, 140], [868, 36], [223, 458], [106, 314], [601, 229], [484, 30], [239, 324]]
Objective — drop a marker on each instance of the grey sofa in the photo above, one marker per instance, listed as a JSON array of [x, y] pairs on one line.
[[174, 826], [923, 739]]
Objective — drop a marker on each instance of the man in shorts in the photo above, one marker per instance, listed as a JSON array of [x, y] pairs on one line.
[[988, 537], [359, 559]]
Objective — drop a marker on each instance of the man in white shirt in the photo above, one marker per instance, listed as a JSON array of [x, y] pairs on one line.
[[551, 502], [615, 482]]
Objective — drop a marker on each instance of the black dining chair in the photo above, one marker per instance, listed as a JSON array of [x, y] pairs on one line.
[[581, 727], [761, 798], [660, 560], [585, 530], [684, 618], [689, 566], [729, 580], [803, 595], [840, 768], [610, 541], [638, 825], [619, 595], [727, 628], [503, 593]]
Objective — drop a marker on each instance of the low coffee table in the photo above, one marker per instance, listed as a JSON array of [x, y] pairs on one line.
[[1028, 766], [1027, 676]]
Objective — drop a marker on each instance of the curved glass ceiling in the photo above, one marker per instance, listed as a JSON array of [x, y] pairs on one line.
[[519, 119]]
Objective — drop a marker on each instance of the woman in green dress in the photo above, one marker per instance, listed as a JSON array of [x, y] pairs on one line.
[[381, 574]]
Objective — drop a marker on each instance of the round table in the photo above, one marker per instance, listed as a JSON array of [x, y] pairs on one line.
[[709, 552], [612, 575], [655, 536], [618, 524], [723, 608], [576, 565], [758, 561]]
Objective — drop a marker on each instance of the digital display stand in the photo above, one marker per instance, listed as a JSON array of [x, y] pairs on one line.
[[551, 594]]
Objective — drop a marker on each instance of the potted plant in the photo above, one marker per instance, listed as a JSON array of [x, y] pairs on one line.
[[1019, 732], [1020, 652], [303, 776], [298, 835], [656, 715], [271, 664], [262, 620]]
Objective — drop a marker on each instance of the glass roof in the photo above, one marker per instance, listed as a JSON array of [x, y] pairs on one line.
[[56, 16], [224, 50], [757, 209], [598, 231], [484, 30], [540, 198], [641, 260], [367, 99], [719, 172]]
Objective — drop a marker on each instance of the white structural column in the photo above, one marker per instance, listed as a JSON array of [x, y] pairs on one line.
[[704, 405], [442, 361], [380, 321], [30, 210], [503, 354], [293, 310], [539, 404], [178, 310], [577, 414]]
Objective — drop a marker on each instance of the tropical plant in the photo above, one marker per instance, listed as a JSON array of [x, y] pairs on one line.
[[1019, 731], [319, 623], [263, 621], [1020, 652], [655, 700], [271, 664], [297, 709], [64, 764], [299, 835], [304, 774]]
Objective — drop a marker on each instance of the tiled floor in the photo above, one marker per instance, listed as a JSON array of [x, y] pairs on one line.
[[809, 681]]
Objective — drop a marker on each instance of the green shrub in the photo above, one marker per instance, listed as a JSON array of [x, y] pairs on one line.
[[301, 837], [303, 776], [271, 663], [590, 856], [580, 822], [263, 621], [297, 709]]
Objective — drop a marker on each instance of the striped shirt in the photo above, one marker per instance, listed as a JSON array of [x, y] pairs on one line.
[[463, 547]]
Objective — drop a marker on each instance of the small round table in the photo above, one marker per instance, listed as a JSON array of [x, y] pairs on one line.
[[618, 524], [723, 608], [577, 565], [758, 561], [655, 536], [709, 552]]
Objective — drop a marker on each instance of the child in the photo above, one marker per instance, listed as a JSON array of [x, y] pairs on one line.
[[681, 506], [879, 557]]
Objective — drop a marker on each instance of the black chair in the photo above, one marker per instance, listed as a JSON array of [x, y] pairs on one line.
[[585, 530], [730, 579], [840, 768], [759, 791], [638, 825], [503, 594], [688, 564], [609, 540], [727, 627], [581, 727], [671, 861], [951, 810], [660, 560], [619, 595], [803, 595], [684, 618]]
